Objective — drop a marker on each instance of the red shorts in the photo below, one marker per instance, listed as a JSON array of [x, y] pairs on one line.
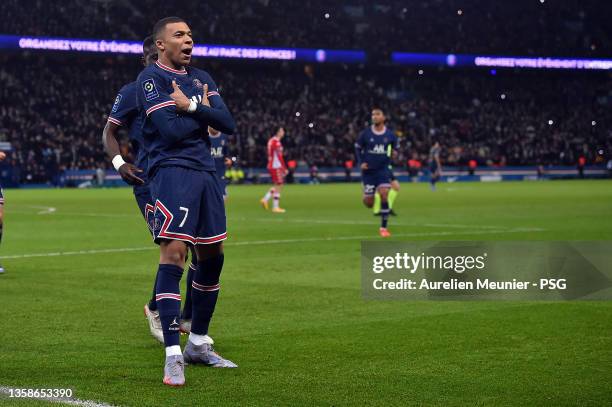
[[277, 175]]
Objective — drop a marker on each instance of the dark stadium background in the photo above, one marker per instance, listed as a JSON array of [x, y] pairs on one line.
[[54, 105]]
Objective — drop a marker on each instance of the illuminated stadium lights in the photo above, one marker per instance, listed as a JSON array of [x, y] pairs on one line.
[[459, 12], [311, 125], [305, 54], [542, 62], [503, 96], [550, 122], [593, 123], [298, 114], [420, 72], [491, 61], [202, 50], [327, 16]]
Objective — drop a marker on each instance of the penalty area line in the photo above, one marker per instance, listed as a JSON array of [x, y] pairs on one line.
[[276, 241], [7, 391]]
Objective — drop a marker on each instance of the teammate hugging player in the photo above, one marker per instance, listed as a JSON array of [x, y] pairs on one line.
[[125, 114], [277, 170], [374, 149], [188, 197]]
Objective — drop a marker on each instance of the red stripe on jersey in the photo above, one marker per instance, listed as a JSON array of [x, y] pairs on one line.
[[167, 68], [201, 287], [168, 296], [213, 239], [160, 105], [115, 121]]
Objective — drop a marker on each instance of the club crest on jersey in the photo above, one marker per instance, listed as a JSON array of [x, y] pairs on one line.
[[150, 90], [116, 105], [197, 83]]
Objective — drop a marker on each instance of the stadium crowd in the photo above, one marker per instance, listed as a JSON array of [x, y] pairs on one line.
[[522, 27], [495, 118]]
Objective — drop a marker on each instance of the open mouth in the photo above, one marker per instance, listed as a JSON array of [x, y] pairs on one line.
[[186, 51]]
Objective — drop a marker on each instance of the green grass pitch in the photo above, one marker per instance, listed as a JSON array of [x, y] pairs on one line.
[[290, 311]]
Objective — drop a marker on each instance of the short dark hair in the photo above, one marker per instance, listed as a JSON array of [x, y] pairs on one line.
[[149, 51], [148, 42], [379, 109], [161, 24]]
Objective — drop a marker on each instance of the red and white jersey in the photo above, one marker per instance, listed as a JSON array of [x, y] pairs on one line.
[[275, 154]]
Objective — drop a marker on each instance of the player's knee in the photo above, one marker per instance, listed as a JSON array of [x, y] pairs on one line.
[[395, 186], [173, 252], [368, 201], [208, 251], [384, 193]]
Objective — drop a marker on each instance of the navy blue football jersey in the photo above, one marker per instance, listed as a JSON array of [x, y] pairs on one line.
[[125, 114], [375, 148], [219, 151], [173, 138]]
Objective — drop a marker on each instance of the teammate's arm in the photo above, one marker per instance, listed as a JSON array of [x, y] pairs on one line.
[[359, 153], [121, 114], [111, 146], [227, 158]]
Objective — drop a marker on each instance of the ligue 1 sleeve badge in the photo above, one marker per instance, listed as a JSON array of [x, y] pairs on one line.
[[197, 83], [150, 90]]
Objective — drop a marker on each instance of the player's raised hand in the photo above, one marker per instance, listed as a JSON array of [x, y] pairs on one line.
[[128, 173], [182, 101], [364, 166], [2, 155], [205, 101]]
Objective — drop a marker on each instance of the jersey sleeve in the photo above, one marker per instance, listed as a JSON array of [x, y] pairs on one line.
[[359, 146], [217, 115], [125, 107], [153, 93], [155, 101]]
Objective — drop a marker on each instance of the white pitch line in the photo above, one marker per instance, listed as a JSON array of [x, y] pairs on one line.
[[70, 401], [361, 222], [49, 210], [77, 252], [45, 209], [276, 241]]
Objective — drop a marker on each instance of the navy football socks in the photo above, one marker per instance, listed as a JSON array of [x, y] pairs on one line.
[[384, 213], [168, 300], [152, 301], [205, 293], [187, 304]]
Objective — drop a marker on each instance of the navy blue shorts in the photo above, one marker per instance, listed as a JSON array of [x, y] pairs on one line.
[[433, 167], [188, 206], [374, 180], [145, 204]]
